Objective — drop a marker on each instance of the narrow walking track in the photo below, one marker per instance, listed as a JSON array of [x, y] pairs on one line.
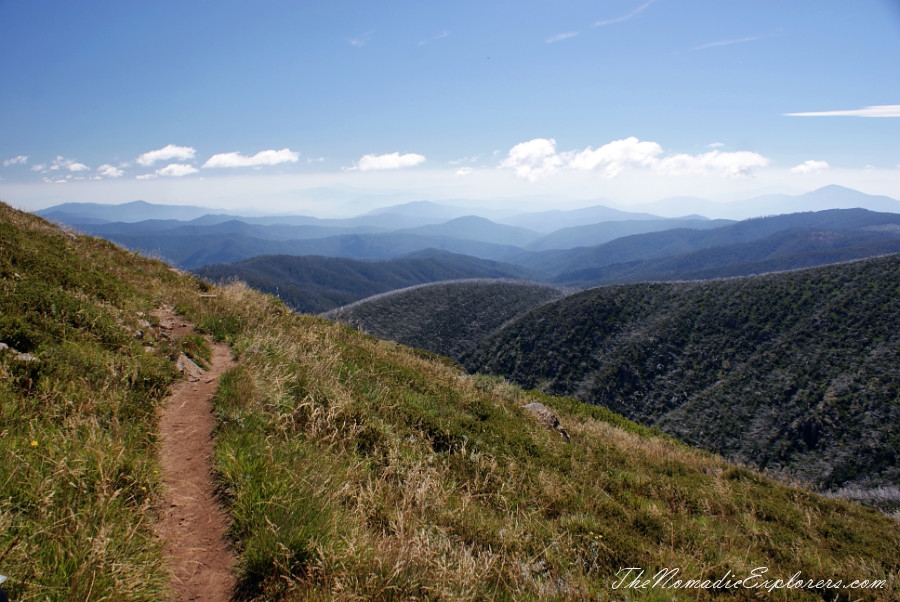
[[194, 524]]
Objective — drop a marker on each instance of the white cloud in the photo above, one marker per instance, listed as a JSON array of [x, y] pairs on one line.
[[463, 171], [389, 161], [735, 165], [166, 153], [538, 158], [266, 157], [561, 36], [67, 164], [109, 171], [716, 145], [177, 170], [874, 111], [20, 160], [146, 176], [612, 158], [811, 166], [533, 159], [633, 13], [360, 41]]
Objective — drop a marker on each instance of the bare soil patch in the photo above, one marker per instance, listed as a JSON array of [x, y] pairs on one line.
[[193, 523]]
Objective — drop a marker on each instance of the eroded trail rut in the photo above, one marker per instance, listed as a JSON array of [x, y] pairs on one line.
[[193, 523]]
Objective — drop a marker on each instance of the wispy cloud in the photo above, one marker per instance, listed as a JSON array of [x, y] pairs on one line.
[[873, 111], [166, 153], [388, 161], [20, 160], [266, 157], [561, 36], [811, 166], [361, 40], [439, 36], [728, 42], [633, 13], [538, 158]]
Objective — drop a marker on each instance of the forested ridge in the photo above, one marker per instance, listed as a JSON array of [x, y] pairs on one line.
[[796, 372]]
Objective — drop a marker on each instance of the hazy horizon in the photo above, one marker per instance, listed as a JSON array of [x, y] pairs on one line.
[[829, 197]]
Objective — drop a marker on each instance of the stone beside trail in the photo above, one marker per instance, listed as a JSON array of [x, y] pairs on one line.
[[193, 524]]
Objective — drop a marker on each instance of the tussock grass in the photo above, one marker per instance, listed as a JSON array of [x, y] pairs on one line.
[[79, 475], [357, 469]]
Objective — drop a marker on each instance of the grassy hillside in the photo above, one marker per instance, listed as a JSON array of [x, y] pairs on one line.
[[314, 284], [448, 318], [78, 397], [354, 468], [795, 372]]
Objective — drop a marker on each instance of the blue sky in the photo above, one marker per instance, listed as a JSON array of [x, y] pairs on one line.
[[330, 108]]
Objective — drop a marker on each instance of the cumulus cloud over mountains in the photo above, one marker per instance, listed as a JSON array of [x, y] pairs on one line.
[[811, 166], [266, 157], [177, 170], [167, 153], [389, 161], [538, 158], [109, 171]]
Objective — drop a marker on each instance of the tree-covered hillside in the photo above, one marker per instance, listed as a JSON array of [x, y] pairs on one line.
[[796, 372], [448, 318]]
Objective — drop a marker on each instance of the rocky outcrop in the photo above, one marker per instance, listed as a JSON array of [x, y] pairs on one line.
[[547, 418]]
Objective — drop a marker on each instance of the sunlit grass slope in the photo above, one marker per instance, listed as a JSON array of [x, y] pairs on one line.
[[358, 469], [355, 468], [78, 396]]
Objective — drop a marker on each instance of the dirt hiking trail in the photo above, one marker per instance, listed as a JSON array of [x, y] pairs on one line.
[[193, 524]]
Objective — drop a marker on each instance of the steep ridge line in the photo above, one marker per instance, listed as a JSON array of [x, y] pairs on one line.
[[193, 525]]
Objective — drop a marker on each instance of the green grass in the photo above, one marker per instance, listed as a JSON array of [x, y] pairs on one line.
[[79, 473], [356, 469]]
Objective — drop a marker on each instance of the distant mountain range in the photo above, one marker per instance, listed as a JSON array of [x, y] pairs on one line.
[[828, 197], [314, 284], [580, 248]]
